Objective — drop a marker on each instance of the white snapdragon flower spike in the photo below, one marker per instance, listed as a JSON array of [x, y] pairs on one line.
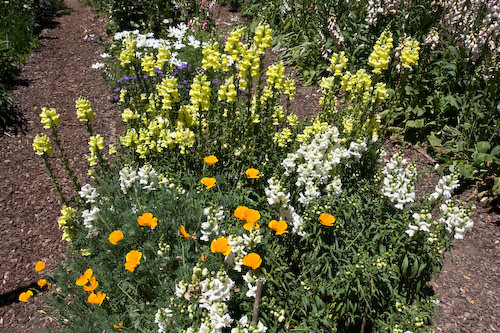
[[105, 55], [210, 228], [89, 217], [315, 162], [237, 252], [399, 182], [456, 219], [128, 178], [422, 223], [162, 318], [88, 193], [445, 187], [251, 283], [148, 177]]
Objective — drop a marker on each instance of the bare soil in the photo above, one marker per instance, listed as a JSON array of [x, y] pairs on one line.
[[56, 75]]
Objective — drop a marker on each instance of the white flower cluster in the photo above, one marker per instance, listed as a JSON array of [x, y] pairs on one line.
[[399, 182], [146, 177], [276, 196], [178, 40], [456, 218], [461, 18], [246, 326], [315, 162], [422, 223], [251, 281], [90, 194], [238, 246], [89, 217], [210, 227], [445, 187], [98, 65]]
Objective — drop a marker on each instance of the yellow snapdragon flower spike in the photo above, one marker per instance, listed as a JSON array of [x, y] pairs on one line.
[[233, 44], [49, 117], [84, 110], [338, 62], [42, 145], [211, 57], [409, 53], [148, 64], [127, 56], [263, 38], [163, 56], [96, 142], [380, 57]]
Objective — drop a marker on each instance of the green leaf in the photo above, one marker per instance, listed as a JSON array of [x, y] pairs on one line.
[[434, 140], [404, 266], [483, 146], [495, 151], [418, 123], [481, 158]]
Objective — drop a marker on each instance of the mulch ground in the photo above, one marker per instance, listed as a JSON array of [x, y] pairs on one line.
[[55, 76]]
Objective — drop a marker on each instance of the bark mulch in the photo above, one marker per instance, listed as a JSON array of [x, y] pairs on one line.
[[55, 76]]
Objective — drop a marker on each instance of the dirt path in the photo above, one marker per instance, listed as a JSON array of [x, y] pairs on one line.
[[54, 76]]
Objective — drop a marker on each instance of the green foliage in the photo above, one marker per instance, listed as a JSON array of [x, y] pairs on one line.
[[19, 23]]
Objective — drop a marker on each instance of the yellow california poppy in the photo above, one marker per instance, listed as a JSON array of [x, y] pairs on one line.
[[252, 173], [25, 296]]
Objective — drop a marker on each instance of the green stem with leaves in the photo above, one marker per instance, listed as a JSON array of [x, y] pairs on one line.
[[64, 159], [53, 178]]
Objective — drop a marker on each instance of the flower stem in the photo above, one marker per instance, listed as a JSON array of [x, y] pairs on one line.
[[54, 181], [64, 159]]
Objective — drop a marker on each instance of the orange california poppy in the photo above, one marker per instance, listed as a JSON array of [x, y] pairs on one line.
[[184, 233], [278, 226], [327, 219], [240, 212], [252, 260], [41, 283], [209, 182], [115, 237], [96, 298], [40, 266], [24, 297], [93, 284], [83, 279], [133, 259], [147, 220], [252, 173], [211, 160], [221, 245]]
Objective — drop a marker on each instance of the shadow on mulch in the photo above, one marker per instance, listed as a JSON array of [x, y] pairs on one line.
[[15, 123], [12, 296]]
